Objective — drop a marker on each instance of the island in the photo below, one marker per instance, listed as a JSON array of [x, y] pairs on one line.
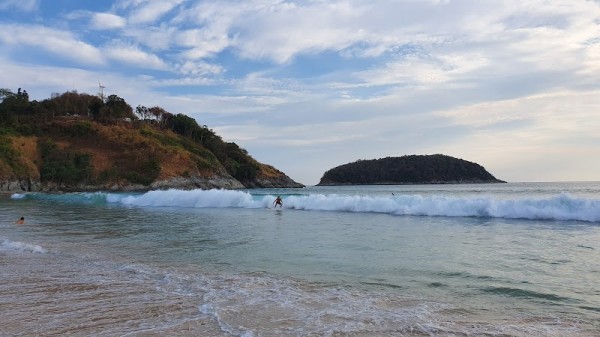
[[409, 169], [82, 142]]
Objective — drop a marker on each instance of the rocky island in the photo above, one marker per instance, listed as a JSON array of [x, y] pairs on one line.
[[82, 142], [412, 169]]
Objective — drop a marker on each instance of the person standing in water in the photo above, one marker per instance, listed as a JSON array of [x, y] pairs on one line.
[[278, 201], [20, 221]]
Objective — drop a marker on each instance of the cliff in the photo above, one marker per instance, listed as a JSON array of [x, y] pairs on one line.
[[413, 169], [45, 146]]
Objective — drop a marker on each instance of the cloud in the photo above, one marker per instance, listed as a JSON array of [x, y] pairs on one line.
[[159, 38], [202, 43], [147, 11], [560, 112], [200, 69], [60, 43], [282, 31], [134, 56], [107, 21], [20, 5]]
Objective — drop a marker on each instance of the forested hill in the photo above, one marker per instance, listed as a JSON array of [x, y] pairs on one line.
[[78, 142], [413, 169]]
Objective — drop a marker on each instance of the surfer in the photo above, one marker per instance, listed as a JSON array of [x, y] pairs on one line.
[[20, 221], [278, 201]]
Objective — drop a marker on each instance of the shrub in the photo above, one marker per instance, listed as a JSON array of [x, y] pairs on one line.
[[63, 166]]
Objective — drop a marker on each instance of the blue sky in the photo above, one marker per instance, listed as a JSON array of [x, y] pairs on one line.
[[309, 85]]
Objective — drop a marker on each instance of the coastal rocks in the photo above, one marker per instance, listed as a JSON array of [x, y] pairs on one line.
[[197, 182], [184, 183], [279, 182], [20, 185]]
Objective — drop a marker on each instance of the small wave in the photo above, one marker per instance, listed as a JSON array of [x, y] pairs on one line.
[[595, 309], [523, 293], [383, 285], [437, 285], [20, 246]]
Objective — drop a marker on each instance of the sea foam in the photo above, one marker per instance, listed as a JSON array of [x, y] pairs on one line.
[[20, 246], [190, 198], [558, 207], [18, 196]]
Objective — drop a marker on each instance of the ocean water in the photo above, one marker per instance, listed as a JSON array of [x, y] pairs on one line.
[[517, 259]]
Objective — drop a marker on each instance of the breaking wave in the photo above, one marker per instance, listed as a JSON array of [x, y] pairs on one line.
[[559, 207]]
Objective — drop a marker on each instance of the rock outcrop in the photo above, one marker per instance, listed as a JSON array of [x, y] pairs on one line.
[[20, 185]]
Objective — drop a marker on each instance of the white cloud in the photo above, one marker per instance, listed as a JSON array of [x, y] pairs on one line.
[[282, 31], [199, 68], [61, 43], [202, 43], [409, 71], [134, 56], [555, 114], [159, 38], [107, 21], [150, 11], [21, 5]]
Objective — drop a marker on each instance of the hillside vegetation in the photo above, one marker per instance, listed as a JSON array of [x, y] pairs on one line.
[[413, 169], [75, 141]]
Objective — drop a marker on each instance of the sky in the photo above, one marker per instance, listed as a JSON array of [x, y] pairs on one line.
[[305, 86]]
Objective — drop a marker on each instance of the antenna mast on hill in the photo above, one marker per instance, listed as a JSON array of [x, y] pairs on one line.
[[101, 93]]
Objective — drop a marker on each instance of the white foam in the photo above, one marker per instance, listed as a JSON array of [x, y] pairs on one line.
[[248, 306], [193, 198], [559, 207], [20, 246], [209, 310]]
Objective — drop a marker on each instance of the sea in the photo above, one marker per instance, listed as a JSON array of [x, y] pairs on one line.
[[514, 259]]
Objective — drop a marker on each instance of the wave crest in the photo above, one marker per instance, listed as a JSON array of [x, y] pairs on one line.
[[559, 207]]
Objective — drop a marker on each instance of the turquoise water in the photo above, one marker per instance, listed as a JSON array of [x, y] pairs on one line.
[[518, 259]]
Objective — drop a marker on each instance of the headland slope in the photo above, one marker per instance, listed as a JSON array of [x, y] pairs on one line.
[[82, 142]]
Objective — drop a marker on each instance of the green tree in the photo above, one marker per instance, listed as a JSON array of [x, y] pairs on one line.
[[95, 107], [116, 108], [184, 125], [14, 108]]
